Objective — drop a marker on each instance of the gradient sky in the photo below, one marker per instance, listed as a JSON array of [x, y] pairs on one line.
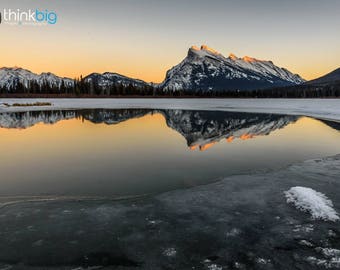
[[144, 38]]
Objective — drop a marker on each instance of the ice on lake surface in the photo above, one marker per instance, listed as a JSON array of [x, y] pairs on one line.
[[166, 189]]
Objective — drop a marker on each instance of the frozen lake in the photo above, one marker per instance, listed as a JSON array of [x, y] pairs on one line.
[[170, 185]]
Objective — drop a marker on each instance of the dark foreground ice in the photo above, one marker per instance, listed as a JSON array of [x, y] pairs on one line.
[[241, 222]]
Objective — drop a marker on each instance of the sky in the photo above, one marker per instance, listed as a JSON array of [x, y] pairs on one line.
[[144, 38]]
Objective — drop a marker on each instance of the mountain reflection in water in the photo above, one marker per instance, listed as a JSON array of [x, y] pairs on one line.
[[98, 152], [201, 129]]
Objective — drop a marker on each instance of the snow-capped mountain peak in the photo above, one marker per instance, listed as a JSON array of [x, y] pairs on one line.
[[11, 77], [206, 69], [233, 57], [204, 51], [208, 49], [250, 59]]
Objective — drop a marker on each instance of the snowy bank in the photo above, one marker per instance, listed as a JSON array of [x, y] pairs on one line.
[[313, 202], [328, 109]]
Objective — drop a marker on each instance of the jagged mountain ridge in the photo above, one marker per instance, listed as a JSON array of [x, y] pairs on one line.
[[12, 77], [206, 69]]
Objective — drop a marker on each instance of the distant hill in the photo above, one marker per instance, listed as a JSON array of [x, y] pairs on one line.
[[328, 79], [109, 79]]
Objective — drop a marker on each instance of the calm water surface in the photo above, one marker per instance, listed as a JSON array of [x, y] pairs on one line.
[[242, 222], [139, 151]]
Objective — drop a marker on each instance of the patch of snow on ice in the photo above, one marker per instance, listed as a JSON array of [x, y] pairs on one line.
[[262, 261], [170, 252], [331, 258], [214, 267], [331, 233], [305, 243], [318, 262], [329, 252], [308, 228], [238, 265], [313, 202], [234, 232]]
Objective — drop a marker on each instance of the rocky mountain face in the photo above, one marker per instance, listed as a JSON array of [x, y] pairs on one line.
[[206, 69], [10, 78]]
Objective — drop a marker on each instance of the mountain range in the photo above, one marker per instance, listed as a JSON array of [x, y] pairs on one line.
[[11, 77], [203, 69]]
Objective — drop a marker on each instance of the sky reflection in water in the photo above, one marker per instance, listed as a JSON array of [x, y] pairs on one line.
[[139, 151]]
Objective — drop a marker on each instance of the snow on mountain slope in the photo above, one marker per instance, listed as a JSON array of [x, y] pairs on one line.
[[108, 79], [206, 69], [11, 77]]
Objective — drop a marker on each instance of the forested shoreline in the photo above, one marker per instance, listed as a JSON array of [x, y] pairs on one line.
[[82, 89]]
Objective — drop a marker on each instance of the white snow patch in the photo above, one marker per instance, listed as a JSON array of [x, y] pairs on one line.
[[313, 202], [262, 261], [170, 252], [233, 232], [305, 243], [315, 261], [331, 233], [238, 265], [331, 258], [214, 267], [308, 228], [329, 252]]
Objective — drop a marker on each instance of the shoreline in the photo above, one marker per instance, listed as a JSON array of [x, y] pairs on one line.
[[326, 109]]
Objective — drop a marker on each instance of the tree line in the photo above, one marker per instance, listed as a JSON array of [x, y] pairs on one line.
[[82, 88]]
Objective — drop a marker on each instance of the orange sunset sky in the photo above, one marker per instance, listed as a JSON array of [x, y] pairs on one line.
[[143, 39]]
